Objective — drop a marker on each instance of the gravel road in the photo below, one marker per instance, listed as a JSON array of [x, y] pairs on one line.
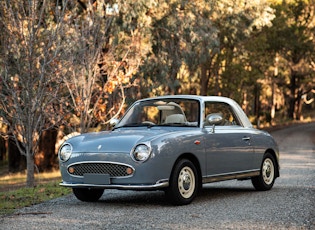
[[225, 205]]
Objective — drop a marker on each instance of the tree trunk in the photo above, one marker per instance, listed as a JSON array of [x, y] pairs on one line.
[[17, 161], [292, 98], [299, 106], [3, 149], [204, 80], [30, 179], [257, 89], [45, 158]]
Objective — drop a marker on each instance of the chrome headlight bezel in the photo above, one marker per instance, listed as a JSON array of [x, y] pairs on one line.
[[141, 152], [65, 152]]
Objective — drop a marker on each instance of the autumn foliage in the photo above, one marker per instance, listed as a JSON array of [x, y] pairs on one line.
[[71, 66]]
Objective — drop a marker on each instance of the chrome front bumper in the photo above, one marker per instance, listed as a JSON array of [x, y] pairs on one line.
[[159, 185]]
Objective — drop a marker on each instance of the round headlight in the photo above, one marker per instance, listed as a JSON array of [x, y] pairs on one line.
[[141, 152], [65, 152]]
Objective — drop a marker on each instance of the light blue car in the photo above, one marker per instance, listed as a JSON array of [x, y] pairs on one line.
[[171, 143]]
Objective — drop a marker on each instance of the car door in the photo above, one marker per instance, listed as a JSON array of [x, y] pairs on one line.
[[228, 150], [227, 145]]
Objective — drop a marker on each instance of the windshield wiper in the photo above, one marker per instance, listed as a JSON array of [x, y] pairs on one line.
[[135, 125], [175, 124], [127, 125]]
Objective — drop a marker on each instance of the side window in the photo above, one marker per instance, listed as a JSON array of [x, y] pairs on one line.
[[224, 110]]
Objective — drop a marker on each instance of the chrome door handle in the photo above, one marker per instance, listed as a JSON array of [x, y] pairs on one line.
[[246, 138]]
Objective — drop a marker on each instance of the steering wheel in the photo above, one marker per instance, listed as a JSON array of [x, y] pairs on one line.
[[147, 123]]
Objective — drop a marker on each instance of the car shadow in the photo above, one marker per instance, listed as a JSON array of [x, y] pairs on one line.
[[133, 198], [220, 192], [157, 198]]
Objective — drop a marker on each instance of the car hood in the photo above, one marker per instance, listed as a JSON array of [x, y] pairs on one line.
[[120, 140]]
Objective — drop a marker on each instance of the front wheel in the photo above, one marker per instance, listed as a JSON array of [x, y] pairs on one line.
[[184, 183], [86, 194], [267, 176]]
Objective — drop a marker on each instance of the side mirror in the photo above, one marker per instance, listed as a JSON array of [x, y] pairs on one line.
[[214, 119], [113, 121]]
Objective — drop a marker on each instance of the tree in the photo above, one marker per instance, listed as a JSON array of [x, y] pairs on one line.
[[30, 48], [206, 37], [104, 50], [182, 35], [236, 22], [53, 51], [87, 27], [292, 38]]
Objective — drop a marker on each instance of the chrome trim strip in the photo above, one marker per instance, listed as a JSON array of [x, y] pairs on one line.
[[100, 162], [158, 185], [230, 176]]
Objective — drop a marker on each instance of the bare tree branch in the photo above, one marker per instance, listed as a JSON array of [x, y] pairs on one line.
[[31, 36]]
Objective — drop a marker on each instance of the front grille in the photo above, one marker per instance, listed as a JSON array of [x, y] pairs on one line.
[[113, 169]]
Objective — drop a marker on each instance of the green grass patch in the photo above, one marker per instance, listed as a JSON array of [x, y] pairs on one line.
[[12, 200]]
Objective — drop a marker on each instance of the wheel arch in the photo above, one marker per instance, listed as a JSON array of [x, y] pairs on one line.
[[194, 160], [273, 153]]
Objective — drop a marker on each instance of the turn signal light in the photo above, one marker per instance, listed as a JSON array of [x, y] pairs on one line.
[[71, 170], [129, 171]]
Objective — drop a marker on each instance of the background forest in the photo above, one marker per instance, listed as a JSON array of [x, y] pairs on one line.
[[69, 66]]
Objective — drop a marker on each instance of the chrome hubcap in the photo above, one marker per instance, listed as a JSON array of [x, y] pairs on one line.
[[186, 182], [268, 171]]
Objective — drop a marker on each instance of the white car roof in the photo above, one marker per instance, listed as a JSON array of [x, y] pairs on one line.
[[236, 107]]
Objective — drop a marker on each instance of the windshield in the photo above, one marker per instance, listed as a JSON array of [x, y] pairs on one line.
[[167, 112]]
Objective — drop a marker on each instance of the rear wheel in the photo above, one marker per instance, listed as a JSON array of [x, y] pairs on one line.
[[86, 194], [184, 183], [267, 175]]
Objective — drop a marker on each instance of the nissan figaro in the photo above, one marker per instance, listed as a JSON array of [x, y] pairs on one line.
[[170, 143]]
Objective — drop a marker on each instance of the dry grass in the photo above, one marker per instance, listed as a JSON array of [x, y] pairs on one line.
[[11, 181], [14, 194]]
